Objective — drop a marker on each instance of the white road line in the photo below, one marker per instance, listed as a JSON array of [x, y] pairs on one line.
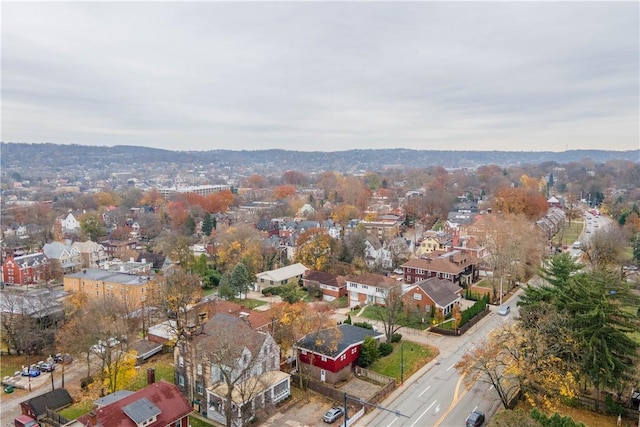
[[449, 368], [490, 387], [394, 420], [472, 347], [424, 391], [421, 415]]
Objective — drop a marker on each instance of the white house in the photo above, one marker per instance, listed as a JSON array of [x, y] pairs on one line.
[[370, 289], [281, 276]]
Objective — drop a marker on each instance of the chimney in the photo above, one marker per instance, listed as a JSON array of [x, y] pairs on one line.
[[93, 418], [202, 318], [151, 376]]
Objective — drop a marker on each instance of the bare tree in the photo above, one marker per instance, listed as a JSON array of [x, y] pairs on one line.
[[177, 292], [392, 311]]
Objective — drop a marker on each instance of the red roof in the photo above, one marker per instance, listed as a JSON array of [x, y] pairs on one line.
[[166, 396]]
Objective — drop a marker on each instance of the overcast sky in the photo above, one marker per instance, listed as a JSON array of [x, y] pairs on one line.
[[323, 76]]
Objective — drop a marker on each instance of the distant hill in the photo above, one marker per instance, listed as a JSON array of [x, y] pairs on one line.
[[15, 155]]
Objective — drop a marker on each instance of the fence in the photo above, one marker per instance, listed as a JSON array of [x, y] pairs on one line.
[[464, 328], [54, 419], [373, 376]]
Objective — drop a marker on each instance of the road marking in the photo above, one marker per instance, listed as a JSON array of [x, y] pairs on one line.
[[437, 408], [472, 347], [456, 399], [394, 420], [490, 387], [424, 391], [449, 368], [421, 415]]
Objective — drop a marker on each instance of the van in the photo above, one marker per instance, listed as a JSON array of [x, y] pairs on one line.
[[577, 245], [25, 421]]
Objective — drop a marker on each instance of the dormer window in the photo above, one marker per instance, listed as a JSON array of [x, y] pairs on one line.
[[142, 412]]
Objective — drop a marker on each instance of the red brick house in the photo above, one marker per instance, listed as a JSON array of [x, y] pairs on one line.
[[157, 405], [26, 269], [458, 267], [332, 286], [330, 354], [433, 293]]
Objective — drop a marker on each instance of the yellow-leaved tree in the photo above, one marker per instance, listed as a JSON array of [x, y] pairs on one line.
[[315, 249]]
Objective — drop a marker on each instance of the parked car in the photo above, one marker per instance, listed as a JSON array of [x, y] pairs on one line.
[[31, 372], [475, 419], [98, 348], [112, 342], [46, 367], [504, 310], [63, 358], [333, 414]]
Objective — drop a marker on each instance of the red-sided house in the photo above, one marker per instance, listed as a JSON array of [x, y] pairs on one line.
[[458, 267], [157, 405], [330, 354], [25, 269], [432, 293], [332, 286]]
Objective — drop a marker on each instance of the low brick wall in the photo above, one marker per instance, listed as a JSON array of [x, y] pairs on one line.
[[464, 328]]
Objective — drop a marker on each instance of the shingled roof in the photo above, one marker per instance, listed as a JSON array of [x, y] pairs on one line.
[[333, 342]]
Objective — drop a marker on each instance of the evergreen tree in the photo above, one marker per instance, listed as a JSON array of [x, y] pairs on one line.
[[239, 279], [207, 225]]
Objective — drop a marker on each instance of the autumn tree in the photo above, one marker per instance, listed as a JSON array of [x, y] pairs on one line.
[[603, 249], [175, 247], [283, 191], [107, 198], [295, 178], [177, 293], [218, 202], [391, 312], [239, 243], [520, 200], [153, 199], [315, 249]]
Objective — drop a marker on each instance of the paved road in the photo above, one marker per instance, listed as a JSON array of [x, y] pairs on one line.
[[436, 395]]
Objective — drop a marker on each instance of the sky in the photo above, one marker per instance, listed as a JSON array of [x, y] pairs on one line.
[[323, 76]]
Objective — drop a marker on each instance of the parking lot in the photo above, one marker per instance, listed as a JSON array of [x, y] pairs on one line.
[[306, 412]]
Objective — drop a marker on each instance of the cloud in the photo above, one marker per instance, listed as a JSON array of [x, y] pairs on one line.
[[323, 75]]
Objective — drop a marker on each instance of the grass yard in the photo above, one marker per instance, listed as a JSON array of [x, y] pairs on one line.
[[484, 283], [13, 363], [569, 233], [414, 355], [588, 418], [77, 410], [195, 421], [250, 303], [415, 322]]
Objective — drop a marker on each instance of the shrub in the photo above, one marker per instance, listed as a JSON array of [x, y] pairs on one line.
[[369, 353], [385, 349], [348, 321], [365, 325], [396, 337]]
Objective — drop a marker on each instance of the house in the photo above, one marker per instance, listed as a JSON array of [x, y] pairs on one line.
[[455, 266], [159, 262], [92, 254], [432, 293], [54, 400], [97, 283], [225, 352], [369, 289], [433, 241], [119, 248], [281, 276], [384, 227], [26, 269], [330, 354], [63, 258], [70, 222], [158, 404], [332, 286]]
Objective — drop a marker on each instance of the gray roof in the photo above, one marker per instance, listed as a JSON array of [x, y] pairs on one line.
[[99, 274], [324, 341], [141, 410], [113, 397], [442, 291]]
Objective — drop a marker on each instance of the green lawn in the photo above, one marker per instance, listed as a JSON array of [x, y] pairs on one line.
[[11, 364], [414, 356], [195, 421], [484, 283], [569, 233], [249, 302], [410, 321], [77, 410]]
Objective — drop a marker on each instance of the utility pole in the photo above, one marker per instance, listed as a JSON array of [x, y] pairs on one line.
[[364, 402], [402, 363]]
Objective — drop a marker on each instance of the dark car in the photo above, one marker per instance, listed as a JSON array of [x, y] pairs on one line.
[[475, 419], [333, 414], [46, 367], [63, 358]]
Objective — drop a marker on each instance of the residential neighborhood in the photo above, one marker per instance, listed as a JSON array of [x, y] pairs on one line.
[[254, 293]]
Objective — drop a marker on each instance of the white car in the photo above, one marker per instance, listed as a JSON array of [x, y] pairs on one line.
[[504, 310]]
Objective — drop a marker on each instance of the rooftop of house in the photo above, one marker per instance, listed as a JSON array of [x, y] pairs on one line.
[[107, 276], [334, 341], [372, 279]]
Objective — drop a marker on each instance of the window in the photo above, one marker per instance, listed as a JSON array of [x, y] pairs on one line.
[[417, 296], [353, 285], [181, 361], [199, 369], [324, 358], [181, 380], [379, 290], [354, 350], [365, 287], [199, 388]]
